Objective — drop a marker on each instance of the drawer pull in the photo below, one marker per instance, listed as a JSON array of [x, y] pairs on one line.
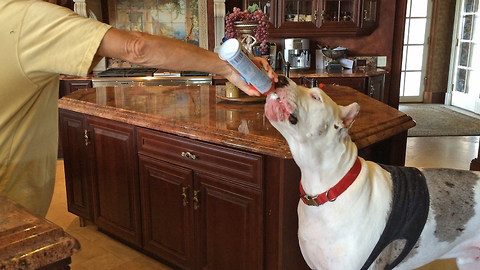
[[86, 137], [188, 155], [195, 199], [184, 195]]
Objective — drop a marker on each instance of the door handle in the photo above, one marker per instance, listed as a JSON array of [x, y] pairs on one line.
[[87, 139], [195, 199], [184, 195]]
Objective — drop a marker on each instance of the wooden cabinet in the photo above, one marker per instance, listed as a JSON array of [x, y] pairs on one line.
[[70, 86], [101, 174], [66, 87], [78, 184], [194, 205], [113, 167], [372, 86], [310, 18], [202, 204]]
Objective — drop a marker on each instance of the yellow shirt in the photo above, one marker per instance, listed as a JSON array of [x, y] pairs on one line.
[[38, 41]]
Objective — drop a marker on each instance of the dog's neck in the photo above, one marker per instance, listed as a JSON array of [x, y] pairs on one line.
[[321, 170]]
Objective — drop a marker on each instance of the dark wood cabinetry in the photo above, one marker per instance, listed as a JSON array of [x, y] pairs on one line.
[[310, 18], [67, 87], [101, 174], [113, 166], [372, 86], [202, 204], [78, 183], [192, 204], [70, 86]]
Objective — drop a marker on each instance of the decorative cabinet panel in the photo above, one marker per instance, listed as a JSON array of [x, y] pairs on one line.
[[77, 181], [115, 178], [167, 212], [310, 18]]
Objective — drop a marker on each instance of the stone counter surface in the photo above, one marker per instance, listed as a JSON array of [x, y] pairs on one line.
[[196, 112], [31, 242]]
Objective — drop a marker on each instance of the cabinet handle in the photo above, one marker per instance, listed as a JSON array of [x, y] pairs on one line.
[[372, 89], [188, 155], [195, 199], [184, 195], [87, 142]]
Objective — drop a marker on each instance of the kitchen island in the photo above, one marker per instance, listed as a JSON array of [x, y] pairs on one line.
[[196, 181], [29, 242]]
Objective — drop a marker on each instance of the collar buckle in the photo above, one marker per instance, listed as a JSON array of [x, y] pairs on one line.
[[310, 200]]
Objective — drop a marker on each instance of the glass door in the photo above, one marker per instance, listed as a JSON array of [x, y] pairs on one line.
[[466, 71], [415, 50], [299, 11]]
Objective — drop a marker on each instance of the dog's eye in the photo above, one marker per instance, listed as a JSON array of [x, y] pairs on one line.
[[315, 97]]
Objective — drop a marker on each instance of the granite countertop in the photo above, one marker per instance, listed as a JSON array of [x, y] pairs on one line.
[[200, 112], [30, 242]]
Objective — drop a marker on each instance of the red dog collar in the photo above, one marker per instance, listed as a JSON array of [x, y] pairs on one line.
[[332, 194]]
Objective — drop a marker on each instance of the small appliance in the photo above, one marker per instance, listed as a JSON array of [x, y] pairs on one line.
[[297, 53]]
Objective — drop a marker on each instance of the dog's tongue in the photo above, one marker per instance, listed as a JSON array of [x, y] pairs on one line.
[[277, 107]]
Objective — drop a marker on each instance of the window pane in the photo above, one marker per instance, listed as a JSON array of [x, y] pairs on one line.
[[464, 54], [419, 8], [402, 85], [471, 6], [407, 27], [414, 58], [467, 28], [412, 83], [475, 57], [461, 79], [404, 57], [417, 31], [473, 81], [409, 3]]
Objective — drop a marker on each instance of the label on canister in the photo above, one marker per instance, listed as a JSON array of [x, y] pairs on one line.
[[233, 52]]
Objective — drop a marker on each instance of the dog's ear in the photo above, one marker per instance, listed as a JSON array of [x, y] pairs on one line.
[[348, 114]]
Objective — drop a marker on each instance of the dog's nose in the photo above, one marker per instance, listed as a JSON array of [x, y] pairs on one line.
[[282, 81], [293, 119]]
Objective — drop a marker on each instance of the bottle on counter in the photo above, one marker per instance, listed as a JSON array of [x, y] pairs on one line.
[[255, 75]]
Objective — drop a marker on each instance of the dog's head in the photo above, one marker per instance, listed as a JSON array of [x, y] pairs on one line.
[[308, 116]]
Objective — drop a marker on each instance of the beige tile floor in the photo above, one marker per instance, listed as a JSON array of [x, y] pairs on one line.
[[100, 252]]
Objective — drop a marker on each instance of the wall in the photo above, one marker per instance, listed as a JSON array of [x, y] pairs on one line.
[[443, 18]]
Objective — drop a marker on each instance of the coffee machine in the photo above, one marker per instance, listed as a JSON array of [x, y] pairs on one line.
[[296, 52]]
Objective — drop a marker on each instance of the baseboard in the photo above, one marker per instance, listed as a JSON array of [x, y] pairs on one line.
[[434, 97]]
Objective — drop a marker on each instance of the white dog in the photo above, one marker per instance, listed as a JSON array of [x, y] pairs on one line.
[[355, 214]]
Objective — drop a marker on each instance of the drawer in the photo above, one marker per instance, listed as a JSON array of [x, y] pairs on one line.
[[235, 165], [355, 83]]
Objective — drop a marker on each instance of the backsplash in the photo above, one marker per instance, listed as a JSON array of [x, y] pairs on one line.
[[173, 18]]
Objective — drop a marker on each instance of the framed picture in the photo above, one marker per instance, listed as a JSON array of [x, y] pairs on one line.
[[181, 19]]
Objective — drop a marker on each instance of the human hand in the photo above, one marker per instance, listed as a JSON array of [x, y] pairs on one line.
[[234, 78]]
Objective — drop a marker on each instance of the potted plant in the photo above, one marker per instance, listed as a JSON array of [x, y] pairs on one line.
[[249, 26]]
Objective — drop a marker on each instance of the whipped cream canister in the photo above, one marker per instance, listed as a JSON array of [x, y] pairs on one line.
[[253, 73]]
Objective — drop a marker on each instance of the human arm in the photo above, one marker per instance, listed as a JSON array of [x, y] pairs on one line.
[[169, 53]]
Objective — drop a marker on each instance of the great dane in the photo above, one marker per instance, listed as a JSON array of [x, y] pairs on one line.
[[356, 214]]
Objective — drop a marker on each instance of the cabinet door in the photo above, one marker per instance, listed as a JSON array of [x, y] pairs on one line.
[[70, 86], [78, 184], [167, 212], [297, 14], [115, 180], [375, 86], [230, 232]]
